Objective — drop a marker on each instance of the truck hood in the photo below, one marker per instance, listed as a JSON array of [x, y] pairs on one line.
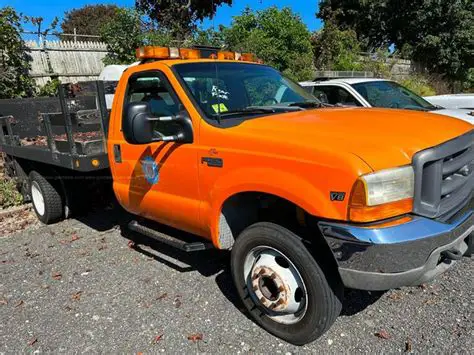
[[383, 138], [463, 114]]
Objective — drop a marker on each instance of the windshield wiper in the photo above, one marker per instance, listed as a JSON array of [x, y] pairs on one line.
[[251, 110], [309, 104]]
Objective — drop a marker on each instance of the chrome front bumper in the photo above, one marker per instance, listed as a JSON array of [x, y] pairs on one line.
[[411, 253]]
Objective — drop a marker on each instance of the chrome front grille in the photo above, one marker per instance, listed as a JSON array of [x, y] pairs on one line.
[[444, 177]]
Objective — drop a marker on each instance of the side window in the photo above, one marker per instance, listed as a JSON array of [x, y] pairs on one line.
[[152, 88], [335, 96]]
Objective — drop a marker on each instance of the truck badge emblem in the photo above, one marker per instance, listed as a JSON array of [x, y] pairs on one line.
[[337, 196], [150, 169]]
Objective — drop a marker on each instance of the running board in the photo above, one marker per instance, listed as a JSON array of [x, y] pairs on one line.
[[167, 239]]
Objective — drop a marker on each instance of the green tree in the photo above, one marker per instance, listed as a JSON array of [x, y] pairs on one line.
[[209, 37], [336, 49], [123, 35], [179, 16], [87, 20], [278, 37], [128, 30], [14, 58], [439, 34]]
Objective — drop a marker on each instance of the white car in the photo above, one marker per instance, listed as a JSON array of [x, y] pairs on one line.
[[465, 101], [369, 92]]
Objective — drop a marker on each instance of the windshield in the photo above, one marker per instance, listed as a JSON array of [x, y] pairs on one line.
[[389, 94], [241, 89]]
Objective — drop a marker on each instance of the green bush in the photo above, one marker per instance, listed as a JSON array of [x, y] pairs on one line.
[[419, 85], [9, 195], [50, 88]]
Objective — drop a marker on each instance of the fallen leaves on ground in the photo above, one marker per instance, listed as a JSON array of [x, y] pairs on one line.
[[383, 334], [430, 301], [32, 341], [57, 276], [195, 337], [177, 301], [157, 338], [131, 244], [17, 221], [20, 303], [4, 301], [76, 296], [162, 296], [69, 241], [408, 346], [103, 244], [396, 296]]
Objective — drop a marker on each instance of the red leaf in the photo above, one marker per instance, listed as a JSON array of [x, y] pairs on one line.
[[57, 276], [158, 338], [131, 244], [383, 334], [195, 337], [74, 237], [32, 341]]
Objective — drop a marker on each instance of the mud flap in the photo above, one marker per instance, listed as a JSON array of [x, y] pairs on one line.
[[470, 245]]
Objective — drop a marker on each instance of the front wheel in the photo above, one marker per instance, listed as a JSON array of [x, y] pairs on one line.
[[281, 284]]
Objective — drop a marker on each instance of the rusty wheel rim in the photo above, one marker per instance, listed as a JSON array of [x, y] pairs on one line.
[[275, 285]]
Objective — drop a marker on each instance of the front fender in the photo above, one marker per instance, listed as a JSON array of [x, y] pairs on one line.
[[283, 184]]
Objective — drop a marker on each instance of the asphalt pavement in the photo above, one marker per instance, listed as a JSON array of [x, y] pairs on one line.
[[89, 285]]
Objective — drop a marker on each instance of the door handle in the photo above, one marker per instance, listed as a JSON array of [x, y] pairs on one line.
[[117, 153], [212, 162]]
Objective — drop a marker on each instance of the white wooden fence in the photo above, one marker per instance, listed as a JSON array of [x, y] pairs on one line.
[[71, 61], [74, 61]]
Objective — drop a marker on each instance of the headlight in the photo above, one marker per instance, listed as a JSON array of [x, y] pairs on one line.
[[383, 194]]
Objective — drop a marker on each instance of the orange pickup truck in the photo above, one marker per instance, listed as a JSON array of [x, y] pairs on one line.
[[308, 198]]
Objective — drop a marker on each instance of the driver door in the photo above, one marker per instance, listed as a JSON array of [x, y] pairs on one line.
[[159, 180]]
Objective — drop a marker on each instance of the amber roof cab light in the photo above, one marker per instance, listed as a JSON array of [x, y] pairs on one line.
[[156, 53]]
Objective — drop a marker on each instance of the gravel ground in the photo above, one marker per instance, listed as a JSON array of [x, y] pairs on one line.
[[78, 286]]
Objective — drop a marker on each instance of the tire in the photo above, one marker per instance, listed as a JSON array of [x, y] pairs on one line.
[[273, 252], [46, 198]]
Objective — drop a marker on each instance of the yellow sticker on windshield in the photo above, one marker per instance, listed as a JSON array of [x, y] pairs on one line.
[[218, 108]]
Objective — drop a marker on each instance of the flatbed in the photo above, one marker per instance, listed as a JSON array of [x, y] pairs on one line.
[[69, 131]]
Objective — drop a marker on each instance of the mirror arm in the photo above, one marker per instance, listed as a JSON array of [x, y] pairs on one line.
[[175, 138], [163, 119]]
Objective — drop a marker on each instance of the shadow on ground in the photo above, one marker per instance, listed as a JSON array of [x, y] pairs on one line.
[[208, 262]]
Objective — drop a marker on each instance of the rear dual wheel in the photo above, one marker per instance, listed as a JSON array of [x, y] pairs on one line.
[[281, 284], [46, 199]]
